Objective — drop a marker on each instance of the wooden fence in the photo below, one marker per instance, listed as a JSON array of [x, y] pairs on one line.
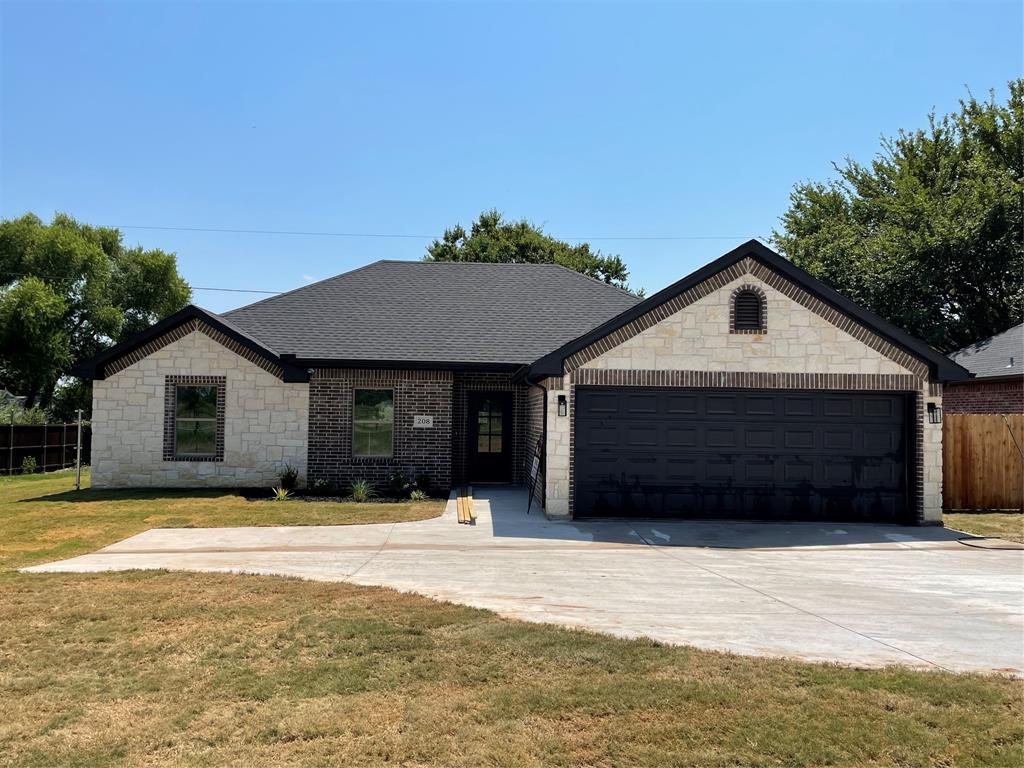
[[982, 465], [51, 445]]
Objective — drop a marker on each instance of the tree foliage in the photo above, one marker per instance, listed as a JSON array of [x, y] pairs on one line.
[[69, 290], [929, 234], [492, 239]]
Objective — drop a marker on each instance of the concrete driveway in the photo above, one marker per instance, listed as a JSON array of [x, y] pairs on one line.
[[856, 594]]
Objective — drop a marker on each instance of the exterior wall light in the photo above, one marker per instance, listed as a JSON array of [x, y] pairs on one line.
[[563, 405], [934, 414]]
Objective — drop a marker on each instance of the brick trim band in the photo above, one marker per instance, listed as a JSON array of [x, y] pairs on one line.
[[899, 382], [748, 266], [183, 330], [170, 403]]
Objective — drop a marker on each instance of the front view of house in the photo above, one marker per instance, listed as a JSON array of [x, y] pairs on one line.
[[747, 390]]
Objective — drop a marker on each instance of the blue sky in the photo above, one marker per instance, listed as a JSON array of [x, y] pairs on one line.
[[595, 120]]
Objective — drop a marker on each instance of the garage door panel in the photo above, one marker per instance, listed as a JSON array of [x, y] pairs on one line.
[[793, 405], [741, 453], [682, 404], [721, 405]]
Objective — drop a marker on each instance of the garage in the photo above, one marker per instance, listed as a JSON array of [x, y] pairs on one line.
[[742, 454]]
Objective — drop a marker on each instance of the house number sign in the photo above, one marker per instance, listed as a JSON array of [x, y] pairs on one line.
[[422, 422]]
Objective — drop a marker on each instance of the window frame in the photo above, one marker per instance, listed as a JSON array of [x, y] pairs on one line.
[[357, 421], [171, 419]]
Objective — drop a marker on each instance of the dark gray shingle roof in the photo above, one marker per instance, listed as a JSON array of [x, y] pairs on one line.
[[434, 312], [1001, 355]]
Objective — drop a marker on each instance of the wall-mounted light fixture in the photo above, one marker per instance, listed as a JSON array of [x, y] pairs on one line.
[[934, 414], [563, 405]]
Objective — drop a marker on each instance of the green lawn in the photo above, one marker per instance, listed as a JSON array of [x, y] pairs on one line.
[[160, 669], [43, 518], [1000, 525]]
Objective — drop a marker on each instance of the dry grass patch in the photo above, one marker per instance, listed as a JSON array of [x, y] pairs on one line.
[[158, 669], [43, 518], [1000, 525]]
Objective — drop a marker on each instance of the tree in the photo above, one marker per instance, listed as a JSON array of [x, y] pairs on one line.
[[67, 291], [492, 239], [930, 235]]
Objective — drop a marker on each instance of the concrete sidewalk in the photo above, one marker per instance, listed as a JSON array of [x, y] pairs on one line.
[[855, 594]]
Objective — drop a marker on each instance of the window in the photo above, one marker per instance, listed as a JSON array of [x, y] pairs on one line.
[[748, 315], [373, 422], [488, 427], [195, 420]]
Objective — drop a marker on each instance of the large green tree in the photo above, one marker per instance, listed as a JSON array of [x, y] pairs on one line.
[[930, 234], [69, 290], [492, 239]]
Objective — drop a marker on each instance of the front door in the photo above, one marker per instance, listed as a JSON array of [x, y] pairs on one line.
[[489, 453]]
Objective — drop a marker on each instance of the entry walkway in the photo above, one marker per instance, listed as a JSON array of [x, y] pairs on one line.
[[856, 594]]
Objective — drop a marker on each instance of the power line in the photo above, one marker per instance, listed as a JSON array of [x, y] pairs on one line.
[[192, 287], [233, 290], [303, 233]]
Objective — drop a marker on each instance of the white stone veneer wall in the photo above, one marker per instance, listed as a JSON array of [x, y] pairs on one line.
[[697, 338], [932, 464], [265, 425]]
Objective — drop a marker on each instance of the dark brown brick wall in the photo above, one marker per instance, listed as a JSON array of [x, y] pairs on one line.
[[497, 382], [416, 451], [984, 397], [533, 430]]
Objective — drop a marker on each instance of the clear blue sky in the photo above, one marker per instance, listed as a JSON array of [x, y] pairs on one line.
[[593, 119]]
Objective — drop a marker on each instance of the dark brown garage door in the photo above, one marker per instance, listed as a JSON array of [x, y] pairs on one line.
[[754, 454]]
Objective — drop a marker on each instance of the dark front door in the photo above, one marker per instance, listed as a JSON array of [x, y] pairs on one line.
[[489, 453], [755, 454]]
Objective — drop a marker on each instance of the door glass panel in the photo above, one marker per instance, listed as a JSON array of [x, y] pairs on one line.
[[489, 428]]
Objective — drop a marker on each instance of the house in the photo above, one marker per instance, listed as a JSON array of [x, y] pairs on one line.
[[748, 389], [997, 367]]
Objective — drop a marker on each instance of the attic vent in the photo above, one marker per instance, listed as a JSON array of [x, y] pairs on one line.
[[748, 311]]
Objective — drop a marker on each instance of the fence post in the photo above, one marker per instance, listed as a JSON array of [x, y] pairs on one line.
[[78, 454], [10, 447]]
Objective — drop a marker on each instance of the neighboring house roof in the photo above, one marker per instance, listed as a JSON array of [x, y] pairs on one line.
[[9, 398], [1000, 355], [940, 367], [433, 312]]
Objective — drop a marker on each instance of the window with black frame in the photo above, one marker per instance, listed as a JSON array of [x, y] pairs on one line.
[[195, 420], [373, 422]]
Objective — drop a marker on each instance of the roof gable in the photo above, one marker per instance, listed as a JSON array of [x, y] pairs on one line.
[[181, 323], [799, 285]]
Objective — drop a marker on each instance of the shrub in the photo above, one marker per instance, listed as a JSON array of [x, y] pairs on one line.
[[28, 465], [289, 478], [281, 494], [320, 487], [423, 483], [418, 495], [362, 491], [398, 485]]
